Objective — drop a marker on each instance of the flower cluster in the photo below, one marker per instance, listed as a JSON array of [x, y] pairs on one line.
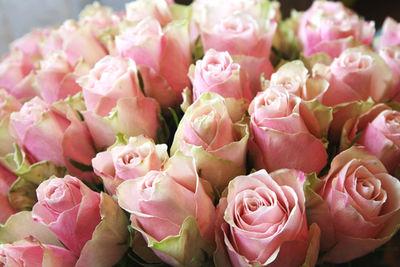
[[215, 134]]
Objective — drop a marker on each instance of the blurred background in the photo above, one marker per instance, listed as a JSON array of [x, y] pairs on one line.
[[17, 17]]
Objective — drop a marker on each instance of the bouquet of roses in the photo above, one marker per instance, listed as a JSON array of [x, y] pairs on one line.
[[215, 134]]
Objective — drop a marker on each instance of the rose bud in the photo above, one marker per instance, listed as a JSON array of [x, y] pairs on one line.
[[56, 79], [216, 141], [17, 76], [171, 209], [330, 27], [261, 221], [390, 33], [53, 132], [128, 159], [356, 205], [97, 227], [141, 9], [29, 43], [357, 74], [391, 55], [115, 103], [153, 49], [7, 178], [286, 131], [8, 104], [217, 73], [29, 252]]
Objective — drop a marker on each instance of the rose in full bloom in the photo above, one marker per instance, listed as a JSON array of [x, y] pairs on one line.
[[141, 9], [217, 73], [154, 49], [90, 224], [129, 159], [32, 253], [6, 180], [357, 74], [391, 55], [53, 132], [17, 75], [294, 77], [378, 130], [245, 38], [217, 142], [330, 27], [356, 205], [262, 222], [56, 79], [286, 133], [115, 102], [171, 207], [390, 33]]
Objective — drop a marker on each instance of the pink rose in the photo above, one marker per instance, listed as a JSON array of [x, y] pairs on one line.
[[390, 33], [153, 49], [217, 73], [379, 131], [17, 75], [29, 43], [286, 133], [330, 27], [8, 104], [356, 205], [90, 224], [357, 74], [218, 143], [53, 133], [262, 222], [56, 78], [32, 253], [76, 42], [391, 55], [163, 203], [294, 77], [115, 102], [129, 159], [241, 35], [141, 9], [6, 180]]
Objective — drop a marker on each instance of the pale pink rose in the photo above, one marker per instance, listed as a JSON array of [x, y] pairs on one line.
[[208, 133], [30, 252], [262, 221], [154, 49], [330, 27], [128, 161], [390, 33], [244, 37], [76, 41], [8, 104], [115, 102], [67, 201], [294, 77], [379, 132], [29, 43], [217, 73], [162, 201], [391, 55], [141, 9], [53, 133], [7, 178], [111, 79], [56, 79], [356, 205], [90, 224], [98, 18], [359, 73], [17, 75], [284, 132]]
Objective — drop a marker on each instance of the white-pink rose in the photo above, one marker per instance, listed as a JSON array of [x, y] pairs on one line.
[[391, 55], [330, 27], [390, 33]]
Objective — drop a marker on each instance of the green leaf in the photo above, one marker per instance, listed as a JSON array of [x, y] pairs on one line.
[[356, 138], [141, 83], [174, 116]]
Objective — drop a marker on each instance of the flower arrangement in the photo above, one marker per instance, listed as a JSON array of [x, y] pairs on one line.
[[215, 134]]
